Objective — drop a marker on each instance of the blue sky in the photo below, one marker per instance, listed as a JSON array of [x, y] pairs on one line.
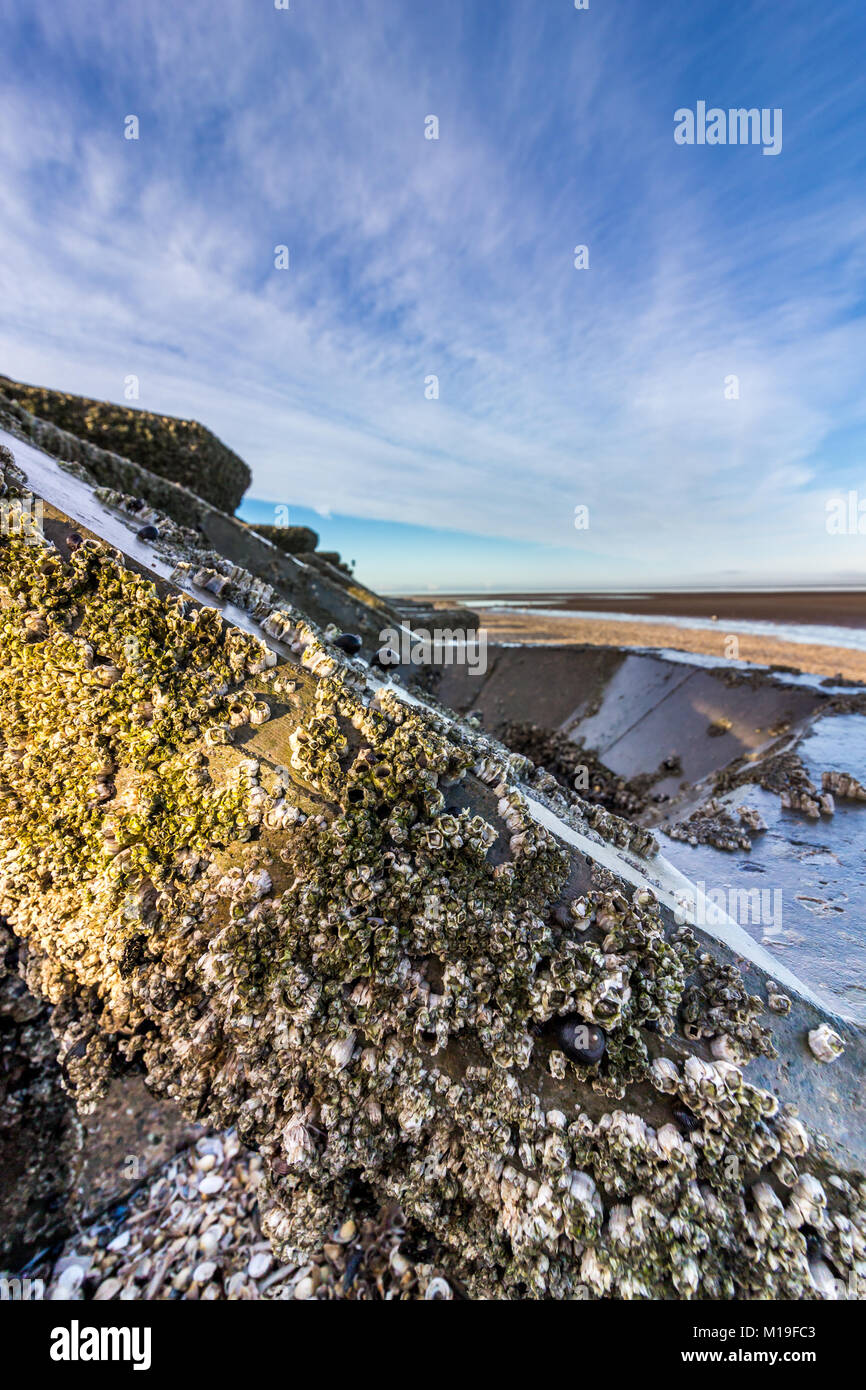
[[409, 257]]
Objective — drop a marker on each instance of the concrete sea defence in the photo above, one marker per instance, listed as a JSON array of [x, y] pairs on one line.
[[180, 450], [405, 963]]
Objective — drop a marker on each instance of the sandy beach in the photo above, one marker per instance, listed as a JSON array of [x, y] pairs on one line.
[[512, 626]]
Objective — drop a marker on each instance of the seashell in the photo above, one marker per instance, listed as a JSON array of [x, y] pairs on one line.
[[619, 1223], [580, 913], [823, 1279], [807, 1203], [299, 1144], [778, 1002], [687, 1277], [594, 1274], [438, 1288], [259, 884], [583, 1189]]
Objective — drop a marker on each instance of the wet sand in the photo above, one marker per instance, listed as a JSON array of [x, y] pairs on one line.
[[833, 607], [508, 626]]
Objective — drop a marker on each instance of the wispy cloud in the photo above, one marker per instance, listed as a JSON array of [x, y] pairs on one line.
[[454, 257]]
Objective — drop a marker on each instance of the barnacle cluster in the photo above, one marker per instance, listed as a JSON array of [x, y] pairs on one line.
[[189, 525], [181, 450], [712, 824], [806, 798], [310, 907], [576, 766], [784, 774], [12, 480], [843, 785], [219, 576], [294, 540], [493, 762], [719, 1007], [207, 570], [752, 817]]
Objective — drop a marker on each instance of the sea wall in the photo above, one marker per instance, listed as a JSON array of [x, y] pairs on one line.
[[398, 957], [182, 451]]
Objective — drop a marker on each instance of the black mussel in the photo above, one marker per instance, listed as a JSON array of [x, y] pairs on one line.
[[581, 1041], [385, 657]]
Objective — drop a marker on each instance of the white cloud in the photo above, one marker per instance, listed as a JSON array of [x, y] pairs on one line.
[[452, 257]]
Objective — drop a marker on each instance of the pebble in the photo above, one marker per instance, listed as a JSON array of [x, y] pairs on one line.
[[70, 1281], [260, 1265], [204, 1272], [305, 1288], [108, 1289], [209, 1242], [211, 1184]]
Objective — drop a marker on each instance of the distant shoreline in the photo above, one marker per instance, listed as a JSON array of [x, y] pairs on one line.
[[832, 607], [528, 619]]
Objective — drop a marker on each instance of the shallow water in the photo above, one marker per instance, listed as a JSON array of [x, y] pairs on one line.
[[817, 924], [810, 634]]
